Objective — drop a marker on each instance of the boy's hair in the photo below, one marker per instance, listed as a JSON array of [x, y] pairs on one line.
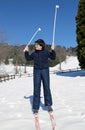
[[41, 43]]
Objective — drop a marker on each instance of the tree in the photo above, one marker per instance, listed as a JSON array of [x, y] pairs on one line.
[[80, 31]]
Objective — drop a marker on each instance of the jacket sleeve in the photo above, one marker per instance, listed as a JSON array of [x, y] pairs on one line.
[[27, 56], [52, 55]]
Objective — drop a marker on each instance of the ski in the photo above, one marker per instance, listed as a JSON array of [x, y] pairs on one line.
[[53, 122], [37, 124]]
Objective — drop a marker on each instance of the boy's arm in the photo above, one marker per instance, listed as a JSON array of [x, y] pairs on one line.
[[52, 53], [26, 49], [26, 54], [52, 47]]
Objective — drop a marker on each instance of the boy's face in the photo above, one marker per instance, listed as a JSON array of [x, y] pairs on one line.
[[38, 47]]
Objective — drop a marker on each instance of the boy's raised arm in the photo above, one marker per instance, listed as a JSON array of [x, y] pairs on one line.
[[26, 49]]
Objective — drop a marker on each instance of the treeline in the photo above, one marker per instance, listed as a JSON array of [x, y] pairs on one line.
[[16, 53], [80, 31]]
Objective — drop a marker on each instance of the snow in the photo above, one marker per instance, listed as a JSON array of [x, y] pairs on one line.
[[7, 69], [71, 62], [68, 92]]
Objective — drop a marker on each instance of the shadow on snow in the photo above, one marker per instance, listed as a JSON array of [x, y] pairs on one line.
[[30, 98], [72, 74]]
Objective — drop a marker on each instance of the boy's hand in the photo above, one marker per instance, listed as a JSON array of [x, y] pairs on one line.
[[26, 49], [53, 47]]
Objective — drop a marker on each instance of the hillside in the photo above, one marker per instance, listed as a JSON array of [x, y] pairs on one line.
[[71, 62], [16, 53]]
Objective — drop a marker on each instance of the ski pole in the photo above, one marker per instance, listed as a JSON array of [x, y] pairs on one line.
[[39, 29], [54, 27]]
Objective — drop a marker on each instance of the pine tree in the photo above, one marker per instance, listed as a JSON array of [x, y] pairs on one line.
[[80, 31]]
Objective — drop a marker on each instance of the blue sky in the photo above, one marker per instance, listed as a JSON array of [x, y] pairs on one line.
[[19, 20]]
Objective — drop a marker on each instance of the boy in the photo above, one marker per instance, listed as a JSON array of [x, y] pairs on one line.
[[41, 73]]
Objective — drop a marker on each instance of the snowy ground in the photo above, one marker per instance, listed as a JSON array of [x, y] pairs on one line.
[[68, 92]]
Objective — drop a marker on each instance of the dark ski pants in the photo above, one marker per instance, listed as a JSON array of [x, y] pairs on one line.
[[41, 75]]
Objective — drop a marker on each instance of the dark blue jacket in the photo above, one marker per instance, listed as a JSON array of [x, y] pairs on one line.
[[40, 58]]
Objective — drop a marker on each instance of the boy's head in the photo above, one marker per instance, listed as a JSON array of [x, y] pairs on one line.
[[39, 44]]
